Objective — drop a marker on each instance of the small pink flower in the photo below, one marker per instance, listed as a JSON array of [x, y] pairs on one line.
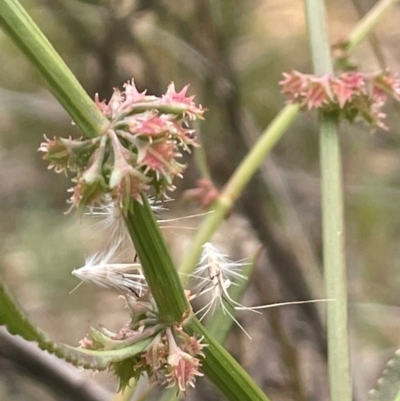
[[130, 187], [111, 108], [67, 153], [205, 193], [86, 343], [172, 97], [102, 105], [86, 194], [183, 368], [347, 86], [316, 96], [150, 125], [293, 83], [354, 80], [132, 95], [190, 344], [388, 84], [179, 97], [155, 356], [56, 153], [161, 157]]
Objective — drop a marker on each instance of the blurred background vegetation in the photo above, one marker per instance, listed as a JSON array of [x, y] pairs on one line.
[[233, 54]]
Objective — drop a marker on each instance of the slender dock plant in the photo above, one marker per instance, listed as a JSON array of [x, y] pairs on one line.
[[133, 142]]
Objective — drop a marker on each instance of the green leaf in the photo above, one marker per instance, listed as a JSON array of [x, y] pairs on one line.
[[125, 372], [388, 387], [96, 360]]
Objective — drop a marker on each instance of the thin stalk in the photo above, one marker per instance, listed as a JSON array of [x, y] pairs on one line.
[[332, 217], [237, 182], [366, 24], [17, 23]]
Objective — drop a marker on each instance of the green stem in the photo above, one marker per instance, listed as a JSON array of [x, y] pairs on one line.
[[27, 36], [370, 20], [332, 217], [158, 268], [237, 182], [334, 261], [318, 36], [224, 371]]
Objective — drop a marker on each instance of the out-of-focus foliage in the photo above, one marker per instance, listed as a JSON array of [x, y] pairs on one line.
[[233, 54]]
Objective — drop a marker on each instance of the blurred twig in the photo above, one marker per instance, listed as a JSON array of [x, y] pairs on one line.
[[372, 37], [366, 24], [299, 240], [37, 106]]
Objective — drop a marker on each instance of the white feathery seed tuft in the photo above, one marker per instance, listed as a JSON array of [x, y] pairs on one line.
[[124, 277], [215, 275]]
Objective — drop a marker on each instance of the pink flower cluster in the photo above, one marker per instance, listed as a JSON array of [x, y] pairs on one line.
[[351, 95], [139, 150], [172, 358]]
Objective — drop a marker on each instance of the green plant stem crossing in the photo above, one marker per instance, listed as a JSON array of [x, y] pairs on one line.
[[332, 216]]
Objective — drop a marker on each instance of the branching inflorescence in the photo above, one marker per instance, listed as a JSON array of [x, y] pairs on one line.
[[351, 95], [138, 151]]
